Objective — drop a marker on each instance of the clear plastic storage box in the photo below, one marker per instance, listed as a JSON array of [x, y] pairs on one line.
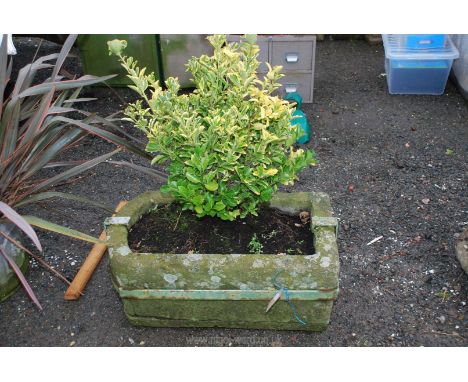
[[417, 71]]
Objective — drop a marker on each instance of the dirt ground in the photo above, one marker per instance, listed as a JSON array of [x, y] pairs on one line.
[[394, 166]]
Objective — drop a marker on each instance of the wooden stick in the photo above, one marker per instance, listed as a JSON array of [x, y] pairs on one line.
[[78, 284]]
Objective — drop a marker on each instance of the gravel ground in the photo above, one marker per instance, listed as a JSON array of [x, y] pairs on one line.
[[385, 164]]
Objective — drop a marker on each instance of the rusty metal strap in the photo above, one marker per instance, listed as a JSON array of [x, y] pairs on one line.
[[265, 295]]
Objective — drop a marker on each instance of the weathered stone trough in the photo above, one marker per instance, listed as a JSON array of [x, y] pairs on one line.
[[227, 290]]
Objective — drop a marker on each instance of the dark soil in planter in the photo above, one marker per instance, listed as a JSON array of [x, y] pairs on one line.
[[171, 230]]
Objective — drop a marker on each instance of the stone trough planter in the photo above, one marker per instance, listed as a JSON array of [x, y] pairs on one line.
[[227, 290]]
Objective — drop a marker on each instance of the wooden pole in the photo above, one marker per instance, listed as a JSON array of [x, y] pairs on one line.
[[78, 284]]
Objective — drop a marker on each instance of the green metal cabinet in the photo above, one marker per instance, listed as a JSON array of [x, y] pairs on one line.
[[96, 60]]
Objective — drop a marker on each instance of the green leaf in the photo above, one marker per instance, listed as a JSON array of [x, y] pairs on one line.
[[183, 191], [104, 134], [3, 70], [20, 222], [209, 203], [51, 194], [72, 172], [63, 85], [145, 170], [253, 188], [116, 46], [158, 159], [66, 47], [266, 195], [198, 200], [251, 38], [211, 186], [192, 177], [151, 147], [234, 214], [48, 226], [165, 188], [219, 206]]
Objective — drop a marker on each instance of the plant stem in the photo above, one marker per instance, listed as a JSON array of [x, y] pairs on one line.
[[177, 222]]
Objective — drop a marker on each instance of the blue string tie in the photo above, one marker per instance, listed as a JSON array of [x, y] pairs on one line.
[[284, 291]]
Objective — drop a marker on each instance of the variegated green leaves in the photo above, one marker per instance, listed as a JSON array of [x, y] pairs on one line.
[[228, 145], [116, 46]]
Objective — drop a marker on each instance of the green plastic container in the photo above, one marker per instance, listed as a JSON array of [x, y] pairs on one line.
[[299, 118], [96, 60]]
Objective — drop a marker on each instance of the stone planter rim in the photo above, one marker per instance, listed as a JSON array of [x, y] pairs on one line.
[[138, 277], [117, 230]]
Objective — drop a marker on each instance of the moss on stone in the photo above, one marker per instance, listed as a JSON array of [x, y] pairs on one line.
[[220, 272]]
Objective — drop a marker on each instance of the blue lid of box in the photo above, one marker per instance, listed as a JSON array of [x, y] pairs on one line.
[[396, 48], [424, 41]]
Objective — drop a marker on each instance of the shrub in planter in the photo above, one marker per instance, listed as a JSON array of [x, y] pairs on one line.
[[229, 144]]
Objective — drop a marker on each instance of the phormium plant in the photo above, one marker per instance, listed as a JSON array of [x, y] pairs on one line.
[[229, 144], [39, 121]]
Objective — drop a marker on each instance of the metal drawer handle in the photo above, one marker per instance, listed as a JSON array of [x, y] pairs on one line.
[[292, 58], [290, 88]]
